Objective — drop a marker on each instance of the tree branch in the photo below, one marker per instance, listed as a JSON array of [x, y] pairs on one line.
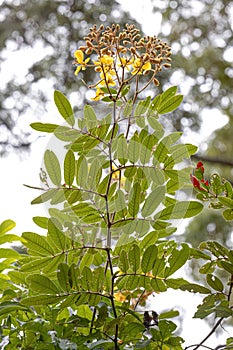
[[221, 161]]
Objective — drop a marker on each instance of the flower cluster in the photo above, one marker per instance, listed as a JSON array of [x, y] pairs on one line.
[[118, 52], [198, 179]]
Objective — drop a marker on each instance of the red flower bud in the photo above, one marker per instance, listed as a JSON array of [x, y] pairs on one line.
[[195, 182], [200, 167]]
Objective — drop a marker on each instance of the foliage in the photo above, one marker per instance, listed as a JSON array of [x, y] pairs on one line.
[[112, 200]]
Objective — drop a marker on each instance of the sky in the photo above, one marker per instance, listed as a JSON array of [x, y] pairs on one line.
[[19, 169]]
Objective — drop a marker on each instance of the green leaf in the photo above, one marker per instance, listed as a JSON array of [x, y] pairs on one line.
[[158, 285], [169, 314], [134, 257], [94, 174], [125, 90], [41, 221], [65, 133], [102, 316], [106, 90], [44, 127], [134, 199], [228, 202], [155, 124], [123, 261], [6, 226], [122, 151], [36, 264], [53, 167], [43, 299], [17, 277], [119, 202], [98, 279], [142, 107], [228, 214], [86, 278], [177, 259], [170, 104], [74, 274], [82, 172], [180, 210], [37, 243], [6, 253], [9, 238], [56, 235], [128, 108], [171, 91], [152, 111], [69, 168], [175, 283], [133, 151], [178, 153], [148, 259], [41, 284], [227, 266], [154, 199], [163, 148], [90, 117], [215, 248], [207, 268], [229, 341], [149, 239], [63, 277], [64, 107], [44, 197], [214, 282], [9, 307], [195, 288]]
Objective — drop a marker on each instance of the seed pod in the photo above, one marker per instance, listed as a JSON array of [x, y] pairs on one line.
[[133, 50], [88, 51], [167, 65], [156, 82]]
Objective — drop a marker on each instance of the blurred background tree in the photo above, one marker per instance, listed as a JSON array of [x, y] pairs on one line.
[[55, 30], [201, 36]]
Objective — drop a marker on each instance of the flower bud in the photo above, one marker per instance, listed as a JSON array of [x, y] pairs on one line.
[[133, 50], [88, 51], [156, 82], [82, 48], [167, 65]]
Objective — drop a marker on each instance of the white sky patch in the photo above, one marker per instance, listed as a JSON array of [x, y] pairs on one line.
[[142, 11], [212, 119]]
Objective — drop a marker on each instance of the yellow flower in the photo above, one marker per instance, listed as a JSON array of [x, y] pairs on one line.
[[107, 79], [105, 63], [138, 67], [107, 60], [98, 95], [79, 59], [119, 297], [126, 63], [116, 176]]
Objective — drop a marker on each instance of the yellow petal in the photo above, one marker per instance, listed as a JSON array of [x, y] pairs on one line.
[[79, 56], [106, 59], [99, 94], [146, 66], [77, 70]]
